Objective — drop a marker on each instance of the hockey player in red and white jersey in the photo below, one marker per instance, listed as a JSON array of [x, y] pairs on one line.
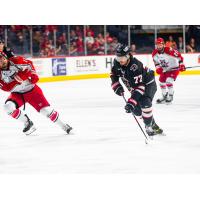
[[168, 63], [19, 78]]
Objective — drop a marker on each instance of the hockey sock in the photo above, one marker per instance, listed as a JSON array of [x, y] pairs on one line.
[[170, 89], [163, 88], [11, 110], [169, 84], [53, 115], [147, 116]]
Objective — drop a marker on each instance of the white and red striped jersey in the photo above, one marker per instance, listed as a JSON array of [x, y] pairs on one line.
[[168, 60], [9, 79]]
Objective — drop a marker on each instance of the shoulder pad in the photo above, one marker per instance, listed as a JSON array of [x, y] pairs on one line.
[[154, 52]]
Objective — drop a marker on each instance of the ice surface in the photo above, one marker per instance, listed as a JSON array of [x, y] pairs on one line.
[[106, 139]]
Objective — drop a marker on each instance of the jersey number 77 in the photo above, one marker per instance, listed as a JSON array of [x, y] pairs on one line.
[[138, 79]]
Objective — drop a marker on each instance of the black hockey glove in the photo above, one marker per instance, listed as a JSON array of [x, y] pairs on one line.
[[130, 105], [118, 89]]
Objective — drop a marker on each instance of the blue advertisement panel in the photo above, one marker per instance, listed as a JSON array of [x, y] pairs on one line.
[[59, 66]]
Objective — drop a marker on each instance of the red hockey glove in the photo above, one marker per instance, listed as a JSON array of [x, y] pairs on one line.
[[26, 75], [182, 67], [130, 105], [159, 70], [22, 76], [34, 78]]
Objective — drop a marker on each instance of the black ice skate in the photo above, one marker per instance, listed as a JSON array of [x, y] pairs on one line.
[[157, 130], [169, 99], [162, 99], [154, 130], [67, 128], [149, 131], [29, 127]]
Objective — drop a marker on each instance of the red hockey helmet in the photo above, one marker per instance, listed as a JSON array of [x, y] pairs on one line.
[[160, 41], [160, 44]]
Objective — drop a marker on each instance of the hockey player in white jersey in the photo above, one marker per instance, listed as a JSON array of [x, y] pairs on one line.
[[18, 77], [168, 63]]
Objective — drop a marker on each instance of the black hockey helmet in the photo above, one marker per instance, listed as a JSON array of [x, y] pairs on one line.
[[122, 50]]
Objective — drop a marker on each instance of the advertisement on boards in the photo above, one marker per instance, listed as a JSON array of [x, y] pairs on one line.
[[59, 66]]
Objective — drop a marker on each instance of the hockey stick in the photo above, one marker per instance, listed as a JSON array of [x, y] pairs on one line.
[[187, 67], [192, 67], [146, 137]]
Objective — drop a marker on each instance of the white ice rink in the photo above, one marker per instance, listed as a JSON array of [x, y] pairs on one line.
[[106, 139]]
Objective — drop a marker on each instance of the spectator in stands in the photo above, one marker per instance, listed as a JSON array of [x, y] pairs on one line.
[[109, 39], [45, 42], [171, 43], [89, 38], [80, 46], [51, 52], [112, 45], [49, 30], [180, 45], [90, 49], [73, 36], [78, 31], [43, 53], [48, 50], [62, 39], [73, 49], [89, 29], [61, 45], [37, 38], [18, 37], [133, 49], [51, 48], [97, 48], [191, 47], [58, 51], [100, 39], [16, 28]]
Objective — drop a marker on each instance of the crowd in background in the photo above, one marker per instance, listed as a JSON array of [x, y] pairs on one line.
[[62, 40]]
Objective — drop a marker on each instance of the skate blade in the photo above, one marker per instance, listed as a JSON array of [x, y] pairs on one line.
[[163, 102], [160, 134], [33, 129], [70, 131]]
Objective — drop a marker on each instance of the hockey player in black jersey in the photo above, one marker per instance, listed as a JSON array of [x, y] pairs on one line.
[[140, 82]]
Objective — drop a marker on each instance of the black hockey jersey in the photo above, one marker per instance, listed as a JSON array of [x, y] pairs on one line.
[[134, 76]]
